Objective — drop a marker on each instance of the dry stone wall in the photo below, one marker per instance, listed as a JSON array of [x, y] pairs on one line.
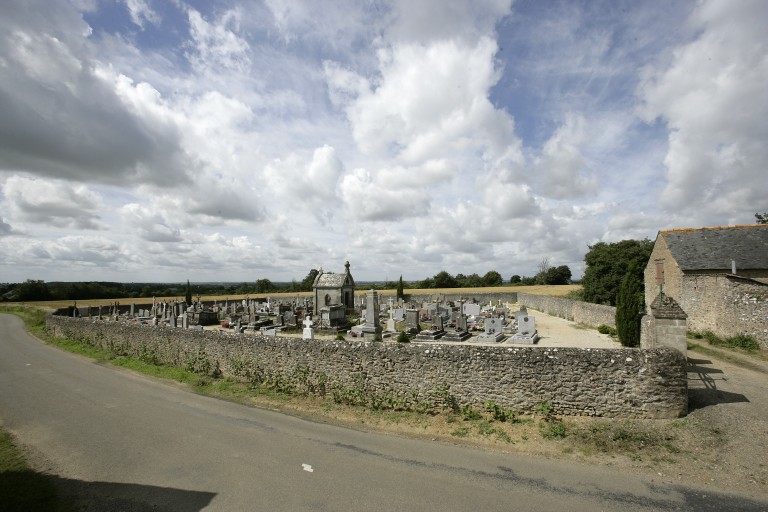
[[727, 305], [592, 382], [576, 311]]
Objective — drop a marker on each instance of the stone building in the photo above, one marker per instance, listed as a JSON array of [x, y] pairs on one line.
[[717, 275], [334, 295]]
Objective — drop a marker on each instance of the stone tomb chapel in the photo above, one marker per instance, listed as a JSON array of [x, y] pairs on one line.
[[334, 296]]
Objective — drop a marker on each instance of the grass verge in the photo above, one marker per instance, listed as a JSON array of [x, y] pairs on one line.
[[21, 488]]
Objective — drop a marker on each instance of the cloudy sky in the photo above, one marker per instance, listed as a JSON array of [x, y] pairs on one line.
[[226, 140]]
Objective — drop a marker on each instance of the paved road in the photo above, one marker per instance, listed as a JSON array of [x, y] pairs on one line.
[[126, 441]]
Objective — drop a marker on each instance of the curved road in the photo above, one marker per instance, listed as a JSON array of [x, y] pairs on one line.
[[120, 440]]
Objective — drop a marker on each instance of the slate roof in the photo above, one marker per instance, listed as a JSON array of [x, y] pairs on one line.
[[664, 306], [330, 280], [714, 248]]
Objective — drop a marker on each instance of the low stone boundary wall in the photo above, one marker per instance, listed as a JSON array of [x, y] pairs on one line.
[[479, 297], [593, 382], [576, 311]]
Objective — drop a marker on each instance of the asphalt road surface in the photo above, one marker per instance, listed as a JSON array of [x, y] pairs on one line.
[[121, 441]]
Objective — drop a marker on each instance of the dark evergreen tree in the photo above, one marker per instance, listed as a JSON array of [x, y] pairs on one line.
[[188, 294], [400, 294], [629, 305]]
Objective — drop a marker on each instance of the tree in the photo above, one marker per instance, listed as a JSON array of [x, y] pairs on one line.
[[264, 286], [400, 294], [188, 294], [629, 305], [607, 264], [427, 283], [31, 290], [543, 265], [470, 281], [445, 280], [761, 218], [556, 275], [492, 278], [515, 279], [307, 282]]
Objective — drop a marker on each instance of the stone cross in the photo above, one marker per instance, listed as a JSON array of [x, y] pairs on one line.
[[308, 333]]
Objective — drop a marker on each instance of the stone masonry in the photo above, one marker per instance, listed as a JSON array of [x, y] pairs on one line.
[[630, 383]]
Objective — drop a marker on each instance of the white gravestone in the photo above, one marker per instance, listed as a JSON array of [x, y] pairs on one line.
[[307, 333]]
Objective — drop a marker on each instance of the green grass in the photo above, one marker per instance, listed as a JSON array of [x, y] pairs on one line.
[[740, 341], [21, 488]]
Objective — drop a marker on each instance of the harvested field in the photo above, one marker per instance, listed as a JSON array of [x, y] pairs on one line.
[[551, 290]]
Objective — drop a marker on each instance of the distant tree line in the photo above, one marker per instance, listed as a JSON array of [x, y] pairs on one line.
[[38, 290]]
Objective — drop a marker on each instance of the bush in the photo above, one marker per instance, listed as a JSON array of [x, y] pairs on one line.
[[403, 338], [742, 341], [606, 329]]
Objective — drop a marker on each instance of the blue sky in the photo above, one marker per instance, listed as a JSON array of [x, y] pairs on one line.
[[145, 140]]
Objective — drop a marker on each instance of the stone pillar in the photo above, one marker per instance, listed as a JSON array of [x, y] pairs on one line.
[[371, 329], [667, 326]]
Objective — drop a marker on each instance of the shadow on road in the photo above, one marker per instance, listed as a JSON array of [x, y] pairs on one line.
[[703, 381], [29, 491]]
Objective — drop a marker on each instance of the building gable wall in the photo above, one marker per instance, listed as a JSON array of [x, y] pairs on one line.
[[672, 273]]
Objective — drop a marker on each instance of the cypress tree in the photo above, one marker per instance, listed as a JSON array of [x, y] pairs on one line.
[[400, 288], [629, 305], [188, 294]]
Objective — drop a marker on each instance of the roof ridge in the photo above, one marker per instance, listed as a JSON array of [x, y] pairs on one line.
[[736, 226]]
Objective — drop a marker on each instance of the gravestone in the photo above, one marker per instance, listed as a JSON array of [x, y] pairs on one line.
[[307, 333], [399, 315], [460, 331], [526, 330], [412, 321], [435, 331], [494, 331], [184, 320], [472, 309], [371, 329], [391, 322]]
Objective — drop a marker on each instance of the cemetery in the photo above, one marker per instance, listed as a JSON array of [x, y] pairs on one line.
[[483, 351]]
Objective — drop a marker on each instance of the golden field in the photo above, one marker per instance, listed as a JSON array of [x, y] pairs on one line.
[[551, 290]]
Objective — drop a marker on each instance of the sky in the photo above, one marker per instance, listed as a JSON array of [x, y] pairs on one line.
[[227, 140]]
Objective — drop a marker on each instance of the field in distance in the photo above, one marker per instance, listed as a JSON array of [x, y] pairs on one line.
[[551, 290]]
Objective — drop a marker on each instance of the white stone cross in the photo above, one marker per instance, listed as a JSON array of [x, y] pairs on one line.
[[307, 322]]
